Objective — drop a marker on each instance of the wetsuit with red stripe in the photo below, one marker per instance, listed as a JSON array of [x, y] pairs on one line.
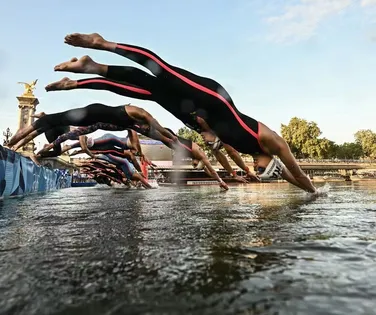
[[179, 107], [197, 95]]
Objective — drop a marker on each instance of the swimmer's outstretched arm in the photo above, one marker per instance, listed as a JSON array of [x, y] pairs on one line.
[[129, 154], [286, 175], [135, 141], [83, 143], [66, 148], [299, 178], [235, 156], [207, 134], [140, 114], [201, 156], [144, 182], [77, 152], [25, 140]]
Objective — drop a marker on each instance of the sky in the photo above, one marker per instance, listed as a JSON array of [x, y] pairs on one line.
[[278, 59]]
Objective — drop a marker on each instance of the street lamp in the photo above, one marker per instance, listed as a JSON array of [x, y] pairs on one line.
[[7, 134]]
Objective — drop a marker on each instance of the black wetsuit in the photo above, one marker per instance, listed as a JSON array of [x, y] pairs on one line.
[[51, 136], [179, 107], [85, 116], [182, 93]]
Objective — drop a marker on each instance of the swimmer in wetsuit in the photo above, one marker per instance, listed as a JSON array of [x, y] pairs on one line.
[[202, 98], [51, 135], [103, 171], [110, 144], [198, 156], [127, 168], [180, 106], [124, 116]]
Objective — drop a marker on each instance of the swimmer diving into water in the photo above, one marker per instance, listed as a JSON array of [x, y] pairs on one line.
[[125, 116], [200, 103]]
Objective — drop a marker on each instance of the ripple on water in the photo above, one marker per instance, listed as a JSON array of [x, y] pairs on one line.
[[257, 249]]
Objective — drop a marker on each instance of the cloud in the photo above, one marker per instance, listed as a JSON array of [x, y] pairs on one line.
[[300, 21], [365, 3]]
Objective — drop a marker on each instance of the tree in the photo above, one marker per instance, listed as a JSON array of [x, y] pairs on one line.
[[349, 150], [367, 140], [302, 137]]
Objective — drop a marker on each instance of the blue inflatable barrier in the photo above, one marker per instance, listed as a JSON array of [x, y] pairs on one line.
[[19, 176]]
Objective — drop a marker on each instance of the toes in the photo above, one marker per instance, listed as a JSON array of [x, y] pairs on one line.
[[58, 67]]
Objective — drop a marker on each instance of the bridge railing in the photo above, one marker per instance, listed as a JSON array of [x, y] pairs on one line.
[[352, 161], [328, 161]]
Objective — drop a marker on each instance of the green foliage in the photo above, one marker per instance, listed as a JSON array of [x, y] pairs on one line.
[[349, 150], [303, 138], [367, 140]]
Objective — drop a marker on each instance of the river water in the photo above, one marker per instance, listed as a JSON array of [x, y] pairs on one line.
[[256, 249]]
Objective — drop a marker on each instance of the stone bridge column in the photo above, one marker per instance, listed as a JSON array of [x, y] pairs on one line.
[[27, 104]]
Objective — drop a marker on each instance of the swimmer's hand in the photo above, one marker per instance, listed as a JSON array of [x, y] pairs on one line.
[[320, 192], [254, 177], [223, 185], [240, 179]]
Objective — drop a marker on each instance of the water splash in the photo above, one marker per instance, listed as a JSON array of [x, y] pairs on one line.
[[324, 190]]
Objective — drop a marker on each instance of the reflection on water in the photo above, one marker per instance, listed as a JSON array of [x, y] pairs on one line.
[[258, 249]]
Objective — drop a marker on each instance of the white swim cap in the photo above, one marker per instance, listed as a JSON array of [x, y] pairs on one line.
[[273, 170], [89, 142], [200, 165], [216, 144]]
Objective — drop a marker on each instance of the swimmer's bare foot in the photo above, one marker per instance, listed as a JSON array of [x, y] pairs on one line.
[[85, 40], [63, 84], [41, 114], [83, 65]]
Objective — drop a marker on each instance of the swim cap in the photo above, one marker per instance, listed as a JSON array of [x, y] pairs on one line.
[[89, 142], [273, 170], [216, 144], [200, 165]]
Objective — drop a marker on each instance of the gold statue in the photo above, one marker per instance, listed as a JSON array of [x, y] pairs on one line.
[[29, 87]]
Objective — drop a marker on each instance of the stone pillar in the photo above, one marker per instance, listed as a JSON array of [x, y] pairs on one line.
[[27, 104]]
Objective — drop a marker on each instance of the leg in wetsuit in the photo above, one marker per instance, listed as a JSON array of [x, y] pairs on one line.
[[51, 136], [152, 90], [84, 116], [207, 97]]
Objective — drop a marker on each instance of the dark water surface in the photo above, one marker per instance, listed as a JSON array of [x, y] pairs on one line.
[[259, 249]]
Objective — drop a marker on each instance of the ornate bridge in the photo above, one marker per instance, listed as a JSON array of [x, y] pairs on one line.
[[342, 168]]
